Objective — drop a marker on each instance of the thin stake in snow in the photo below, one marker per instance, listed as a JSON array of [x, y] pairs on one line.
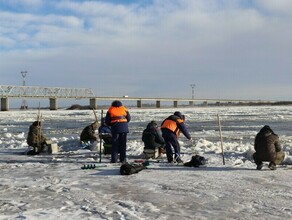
[[39, 118], [100, 140], [221, 139], [95, 115]]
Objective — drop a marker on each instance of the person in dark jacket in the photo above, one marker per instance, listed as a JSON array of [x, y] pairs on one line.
[[105, 132], [88, 136], [267, 147], [153, 141], [118, 117], [36, 139], [171, 128]]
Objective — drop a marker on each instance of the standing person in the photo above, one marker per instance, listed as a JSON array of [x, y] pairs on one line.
[[267, 147], [171, 128], [153, 141], [88, 136], [36, 139], [118, 117]]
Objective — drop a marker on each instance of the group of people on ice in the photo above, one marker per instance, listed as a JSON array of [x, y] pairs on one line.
[[157, 139]]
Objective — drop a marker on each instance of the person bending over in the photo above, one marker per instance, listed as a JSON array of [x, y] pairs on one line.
[[36, 139], [171, 128], [154, 143], [88, 136], [267, 147]]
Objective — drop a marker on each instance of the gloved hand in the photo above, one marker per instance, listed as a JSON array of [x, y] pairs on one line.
[[191, 141]]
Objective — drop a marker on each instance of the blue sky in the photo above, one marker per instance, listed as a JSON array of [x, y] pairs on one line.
[[238, 49]]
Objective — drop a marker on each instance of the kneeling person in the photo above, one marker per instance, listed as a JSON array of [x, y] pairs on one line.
[[153, 141]]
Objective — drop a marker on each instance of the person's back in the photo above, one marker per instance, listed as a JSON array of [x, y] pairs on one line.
[[88, 133], [118, 117], [151, 136], [35, 138], [267, 147], [33, 134], [153, 141]]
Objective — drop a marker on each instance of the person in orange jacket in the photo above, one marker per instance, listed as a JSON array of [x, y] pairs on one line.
[[171, 128], [118, 117]]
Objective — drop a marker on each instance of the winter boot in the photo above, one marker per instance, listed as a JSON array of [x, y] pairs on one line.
[[259, 166], [178, 160], [272, 166]]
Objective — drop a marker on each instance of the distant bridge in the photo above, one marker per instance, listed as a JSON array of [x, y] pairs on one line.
[[44, 92], [55, 93]]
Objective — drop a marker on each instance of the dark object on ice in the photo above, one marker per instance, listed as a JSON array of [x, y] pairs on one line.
[[128, 169], [88, 166], [196, 161], [79, 107]]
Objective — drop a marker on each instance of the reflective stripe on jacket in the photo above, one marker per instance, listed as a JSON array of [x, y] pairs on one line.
[[118, 114]]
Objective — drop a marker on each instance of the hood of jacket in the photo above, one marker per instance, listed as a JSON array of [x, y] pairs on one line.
[[178, 114], [266, 130], [117, 103]]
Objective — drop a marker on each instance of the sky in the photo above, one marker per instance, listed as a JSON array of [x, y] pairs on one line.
[[230, 49]]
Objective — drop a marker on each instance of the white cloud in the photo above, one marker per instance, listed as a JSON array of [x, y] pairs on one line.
[[6, 42], [276, 6], [177, 41], [30, 4]]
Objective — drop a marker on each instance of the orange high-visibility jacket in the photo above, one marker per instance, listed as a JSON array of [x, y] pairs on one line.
[[118, 114], [172, 125]]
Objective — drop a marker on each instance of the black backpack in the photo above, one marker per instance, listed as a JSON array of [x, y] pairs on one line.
[[128, 169], [196, 161]]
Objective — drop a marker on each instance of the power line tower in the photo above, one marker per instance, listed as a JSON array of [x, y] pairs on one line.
[[24, 102], [193, 90]]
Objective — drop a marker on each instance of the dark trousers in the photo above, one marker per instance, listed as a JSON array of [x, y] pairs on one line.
[[37, 149], [172, 146], [119, 145], [279, 157]]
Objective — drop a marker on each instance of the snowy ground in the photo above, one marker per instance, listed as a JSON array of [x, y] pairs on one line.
[[55, 186], [45, 187]]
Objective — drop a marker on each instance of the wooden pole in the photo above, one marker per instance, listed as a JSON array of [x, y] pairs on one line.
[[221, 139], [100, 139], [95, 115], [39, 118]]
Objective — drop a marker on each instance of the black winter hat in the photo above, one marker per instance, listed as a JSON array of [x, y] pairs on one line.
[[178, 114], [117, 103]]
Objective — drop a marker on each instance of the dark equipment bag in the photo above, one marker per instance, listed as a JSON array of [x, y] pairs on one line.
[[128, 169], [196, 161]]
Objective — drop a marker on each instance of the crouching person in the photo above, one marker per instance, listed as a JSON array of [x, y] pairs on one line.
[[267, 147], [154, 143], [88, 136], [104, 133], [36, 139]]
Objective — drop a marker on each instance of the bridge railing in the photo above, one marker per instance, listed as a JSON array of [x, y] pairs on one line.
[[44, 92]]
